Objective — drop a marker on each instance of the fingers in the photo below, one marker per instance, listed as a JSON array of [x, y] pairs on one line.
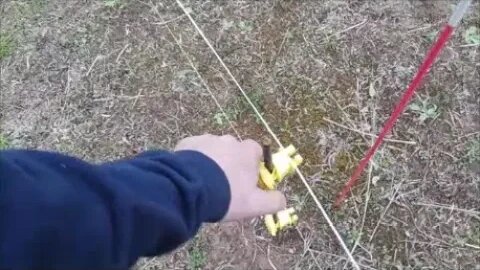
[[192, 142], [254, 148], [228, 138], [267, 202], [250, 146]]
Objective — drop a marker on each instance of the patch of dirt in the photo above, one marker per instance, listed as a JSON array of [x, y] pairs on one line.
[[107, 82]]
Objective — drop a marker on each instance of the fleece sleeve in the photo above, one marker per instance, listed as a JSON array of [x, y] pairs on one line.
[[59, 212]]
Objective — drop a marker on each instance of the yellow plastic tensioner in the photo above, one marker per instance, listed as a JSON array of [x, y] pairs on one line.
[[284, 163], [280, 220]]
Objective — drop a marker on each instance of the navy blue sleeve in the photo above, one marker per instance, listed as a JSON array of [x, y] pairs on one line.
[[59, 212]]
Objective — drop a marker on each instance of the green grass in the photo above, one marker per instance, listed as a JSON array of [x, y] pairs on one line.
[[472, 35], [430, 37], [6, 45], [473, 151], [37, 6], [222, 118], [240, 106], [245, 26], [425, 109], [474, 235], [24, 10], [331, 44], [4, 144], [112, 3], [196, 256], [17, 22]]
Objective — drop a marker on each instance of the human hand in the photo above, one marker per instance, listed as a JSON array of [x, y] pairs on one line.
[[240, 161]]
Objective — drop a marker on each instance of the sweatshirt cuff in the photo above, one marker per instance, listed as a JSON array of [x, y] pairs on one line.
[[214, 181]]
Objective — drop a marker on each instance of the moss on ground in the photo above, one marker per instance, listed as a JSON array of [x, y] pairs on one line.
[[4, 143], [6, 45]]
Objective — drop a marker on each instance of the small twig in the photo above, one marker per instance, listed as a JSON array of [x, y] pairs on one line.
[[307, 245], [451, 208], [123, 97], [367, 194], [169, 21], [447, 154], [469, 134], [367, 134], [350, 28], [468, 45], [98, 57], [67, 90], [347, 116], [472, 246], [392, 199], [269, 260], [421, 28], [136, 99], [121, 53], [342, 258], [283, 42]]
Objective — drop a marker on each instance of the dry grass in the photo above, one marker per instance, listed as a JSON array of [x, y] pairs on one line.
[[104, 82]]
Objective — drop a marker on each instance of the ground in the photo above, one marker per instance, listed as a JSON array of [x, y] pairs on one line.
[[105, 79]]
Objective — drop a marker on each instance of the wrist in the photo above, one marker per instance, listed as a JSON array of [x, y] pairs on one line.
[[214, 183]]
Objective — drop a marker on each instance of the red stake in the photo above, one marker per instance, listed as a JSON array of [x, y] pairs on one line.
[[423, 70]]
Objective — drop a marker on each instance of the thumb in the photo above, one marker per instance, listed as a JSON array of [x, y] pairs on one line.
[[268, 202]]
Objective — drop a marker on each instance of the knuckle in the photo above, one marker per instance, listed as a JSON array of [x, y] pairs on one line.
[[228, 138], [251, 203], [255, 146], [282, 201], [183, 143], [209, 136]]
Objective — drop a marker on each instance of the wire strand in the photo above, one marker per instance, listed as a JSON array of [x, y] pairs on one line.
[[274, 136], [249, 101], [204, 83]]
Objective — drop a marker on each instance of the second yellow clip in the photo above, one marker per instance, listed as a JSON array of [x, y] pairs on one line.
[[272, 171]]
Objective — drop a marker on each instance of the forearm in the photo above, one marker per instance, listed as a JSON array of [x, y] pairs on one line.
[[60, 212]]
